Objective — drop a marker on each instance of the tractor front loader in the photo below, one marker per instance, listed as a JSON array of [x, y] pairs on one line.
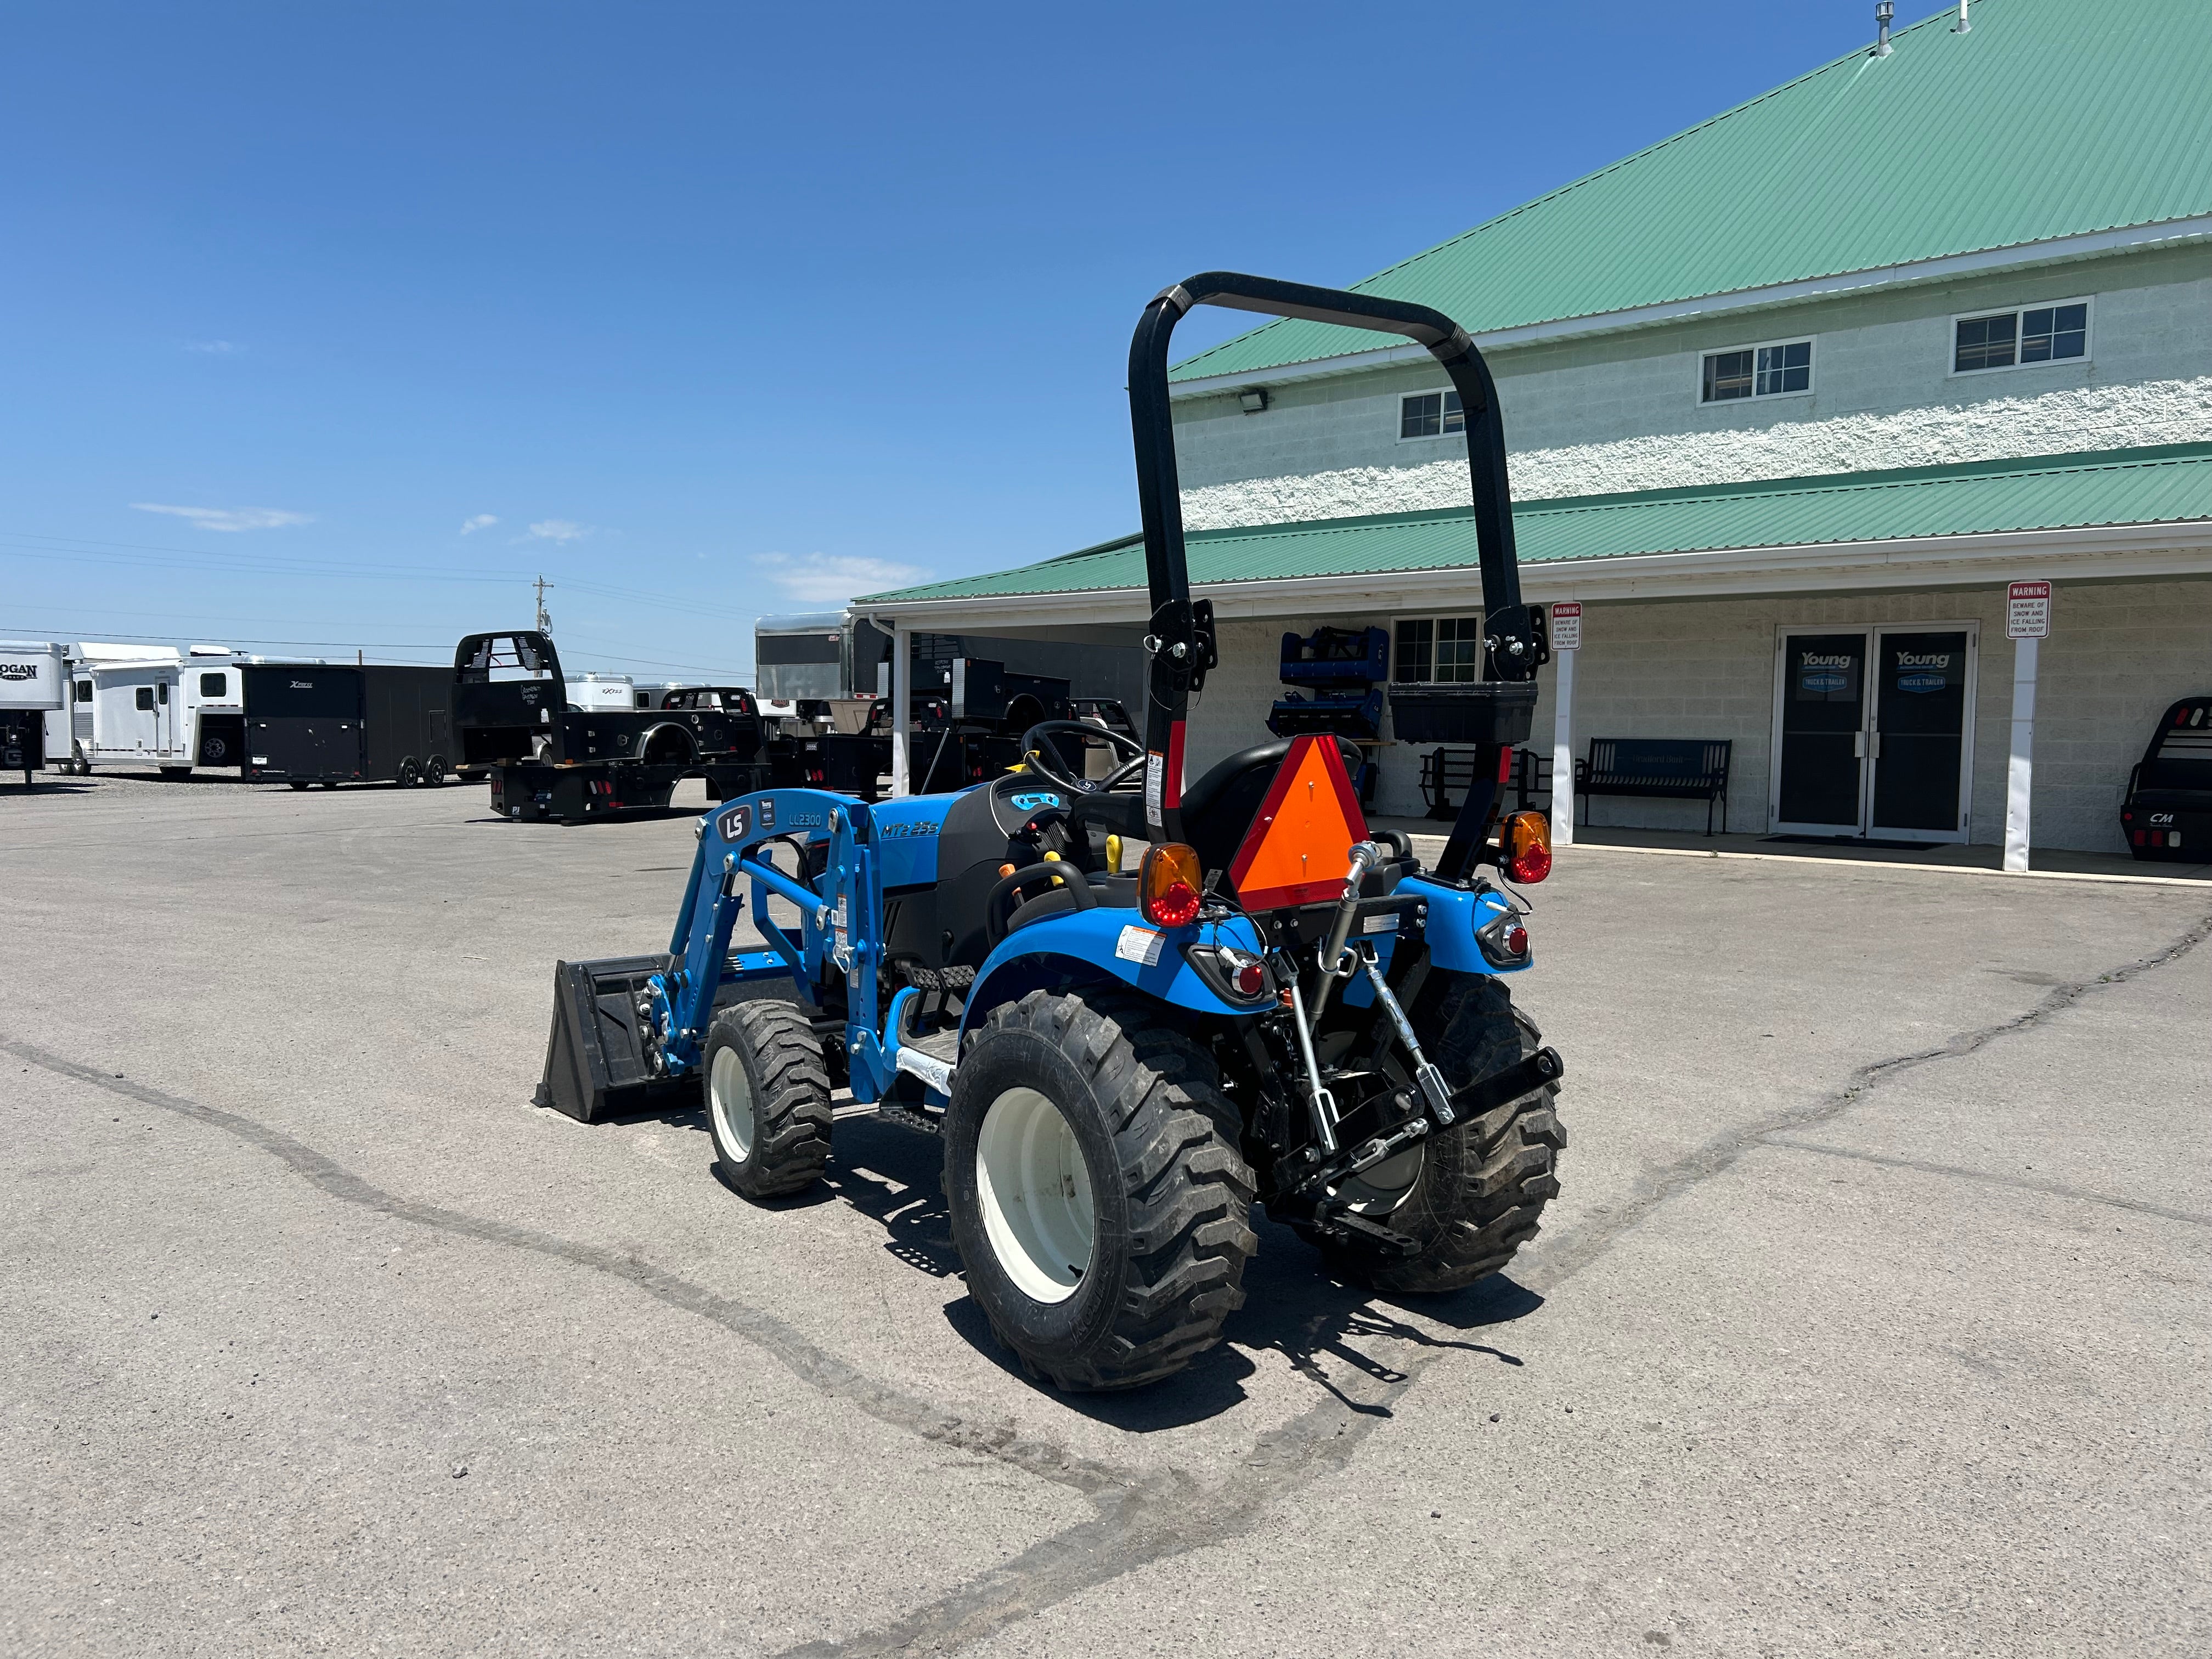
[[1275, 1003]]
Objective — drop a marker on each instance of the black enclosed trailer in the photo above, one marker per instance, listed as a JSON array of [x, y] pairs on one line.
[[333, 723], [546, 758]]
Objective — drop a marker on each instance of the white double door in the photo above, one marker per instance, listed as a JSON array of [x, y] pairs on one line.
[[1874, 731]]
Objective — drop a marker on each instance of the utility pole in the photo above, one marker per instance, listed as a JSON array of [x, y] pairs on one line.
[[545, 622]]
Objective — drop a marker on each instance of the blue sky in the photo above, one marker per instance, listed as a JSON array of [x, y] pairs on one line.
[[330, 326]]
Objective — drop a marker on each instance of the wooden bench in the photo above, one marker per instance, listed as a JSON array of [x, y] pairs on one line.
[[1446, 773], [1666, 769]]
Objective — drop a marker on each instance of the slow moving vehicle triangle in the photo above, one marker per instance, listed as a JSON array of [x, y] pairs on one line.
[[1298, 850]]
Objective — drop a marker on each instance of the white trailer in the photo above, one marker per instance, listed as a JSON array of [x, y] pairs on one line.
[[592, 694], [32, 687], [163, 709]]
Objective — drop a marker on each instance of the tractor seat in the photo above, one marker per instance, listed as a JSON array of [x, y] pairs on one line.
[[1218, 808]]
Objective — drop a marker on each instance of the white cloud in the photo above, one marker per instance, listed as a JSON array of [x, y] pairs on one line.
[[478, 521], [834, 578], [212, 347], [230, 517], [560, 530]]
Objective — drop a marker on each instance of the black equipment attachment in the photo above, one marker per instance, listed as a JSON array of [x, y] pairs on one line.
[[598, 1058], [1181, 637]]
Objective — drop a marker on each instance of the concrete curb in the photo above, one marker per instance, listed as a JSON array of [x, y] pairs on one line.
[[1860, 864]]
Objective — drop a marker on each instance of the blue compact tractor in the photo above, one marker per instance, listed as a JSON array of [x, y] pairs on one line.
[[1123, 1050]]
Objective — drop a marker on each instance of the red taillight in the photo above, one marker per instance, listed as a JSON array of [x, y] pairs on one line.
[[1516, 939], [1170, 885], [1251, 980], [1533, 865]]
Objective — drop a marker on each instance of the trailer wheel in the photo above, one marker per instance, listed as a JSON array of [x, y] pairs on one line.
[[1096, 1192], [768, 1098], [433, 771], [1480, 1185], [408, 775]]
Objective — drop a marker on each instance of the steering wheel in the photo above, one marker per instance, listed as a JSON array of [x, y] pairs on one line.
[[1037, 744]]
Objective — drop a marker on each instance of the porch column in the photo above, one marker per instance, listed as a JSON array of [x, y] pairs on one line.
[[1563, 749], [2019, 777], [902, 702]]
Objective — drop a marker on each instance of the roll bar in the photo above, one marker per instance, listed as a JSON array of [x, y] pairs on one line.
[[1181, 637]]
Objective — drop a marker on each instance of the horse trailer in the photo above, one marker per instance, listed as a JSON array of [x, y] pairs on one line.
[[32, 687]]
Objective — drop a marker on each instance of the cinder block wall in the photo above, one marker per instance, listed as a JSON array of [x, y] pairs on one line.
[[1621, 412], [2120, 652]]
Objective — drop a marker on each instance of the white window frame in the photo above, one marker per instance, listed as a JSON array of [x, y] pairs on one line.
[[1433, 437], [1952, 372], [1811, 376], [1474, 616]]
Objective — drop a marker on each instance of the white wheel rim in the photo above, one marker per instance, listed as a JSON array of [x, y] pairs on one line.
[[1035, 1195], [730, 1098]]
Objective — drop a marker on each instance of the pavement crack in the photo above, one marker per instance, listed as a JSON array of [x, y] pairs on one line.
[[1167, 1515], [1575, 1249], [2020, 1183], [812, 1364]]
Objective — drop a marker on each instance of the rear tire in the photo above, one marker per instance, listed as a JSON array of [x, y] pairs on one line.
[[1095, 1189], [408, 775], [433, 772], [1483, 1182], [767, 1092]]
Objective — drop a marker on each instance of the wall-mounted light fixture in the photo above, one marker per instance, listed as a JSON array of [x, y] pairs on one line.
[[1252, 399]]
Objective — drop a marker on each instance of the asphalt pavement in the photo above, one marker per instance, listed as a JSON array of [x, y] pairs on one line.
[[1872, 1318]]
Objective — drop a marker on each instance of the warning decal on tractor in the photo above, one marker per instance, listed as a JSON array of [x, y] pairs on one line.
[[1298, 850]]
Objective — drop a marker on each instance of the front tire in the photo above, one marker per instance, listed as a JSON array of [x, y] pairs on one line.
[[1483, 1183], [1095, 1189], [768, 1098]]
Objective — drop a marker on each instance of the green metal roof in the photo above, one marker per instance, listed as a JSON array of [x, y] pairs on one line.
[[2159, 485], [2048, 119]]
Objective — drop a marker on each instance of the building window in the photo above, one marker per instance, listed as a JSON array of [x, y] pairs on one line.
[[1431, 649], [1430, 415], [2010, 339], [1766, 371], [146, 697], [211, 685], [84, 690]]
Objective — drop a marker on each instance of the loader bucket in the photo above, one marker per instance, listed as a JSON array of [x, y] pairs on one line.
[[595, 1065]]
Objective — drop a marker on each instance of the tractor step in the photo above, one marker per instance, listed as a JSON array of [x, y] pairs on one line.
[[890, 1111]]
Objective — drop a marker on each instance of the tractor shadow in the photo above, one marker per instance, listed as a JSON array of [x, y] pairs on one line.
[[1330, 1331]]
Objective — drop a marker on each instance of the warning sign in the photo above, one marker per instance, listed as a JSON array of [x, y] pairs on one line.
[[2027, 611], [1298, 850], [1567, 625]]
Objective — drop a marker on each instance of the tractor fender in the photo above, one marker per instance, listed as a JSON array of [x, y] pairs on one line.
[[1110, 945], [1455, 916]]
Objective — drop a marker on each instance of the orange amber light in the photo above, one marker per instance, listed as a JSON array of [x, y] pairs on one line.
[[1172, 882]]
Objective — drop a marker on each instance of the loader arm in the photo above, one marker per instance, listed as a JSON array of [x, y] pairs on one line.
[[1179, 638]]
